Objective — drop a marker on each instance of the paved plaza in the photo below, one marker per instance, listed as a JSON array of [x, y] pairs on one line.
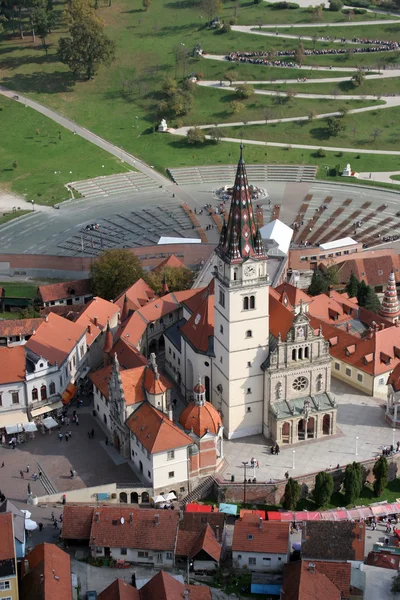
[[358, 416]]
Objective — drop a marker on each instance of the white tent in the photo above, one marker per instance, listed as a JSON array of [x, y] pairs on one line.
[[50, 423], [279, 232], [30, 427], [18, 428]]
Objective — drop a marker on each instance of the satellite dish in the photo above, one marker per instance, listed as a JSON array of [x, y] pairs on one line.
[[122, 520]]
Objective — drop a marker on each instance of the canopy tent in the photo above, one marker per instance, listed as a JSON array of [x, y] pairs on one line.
[[50, 423], [18, 428], [12, 418], [274, 516], [170, 496], [30, 427], [228, 509], [158, 499], [27, 514], [30, 525], [191, 507]]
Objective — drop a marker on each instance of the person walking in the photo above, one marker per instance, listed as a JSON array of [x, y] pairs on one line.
[[29, 489], [34, 476], [277, 449], [2, 464], [40, 526], [55, 524], [66, 436], [60, 436], [21, 473], [70, 434], [52, 516], [27, 468], [77, 420]]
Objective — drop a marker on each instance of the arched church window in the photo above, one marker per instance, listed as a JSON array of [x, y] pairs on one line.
[[34, 394], [300, 353], [234, 274], [306, 352], [300, 383], [319, 383], [252, 301], [294, 354], [246, 303], [278, 390], [249, 333]]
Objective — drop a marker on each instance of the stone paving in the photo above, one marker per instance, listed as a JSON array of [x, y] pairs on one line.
[[358, 416]]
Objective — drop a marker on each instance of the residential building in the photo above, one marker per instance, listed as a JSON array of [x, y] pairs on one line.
[[14, 332], [8, 559], [19, 526], [46, 574], [372, 266], [340, 541], [13, 401], [306, 257], [199, 547], [260, 545], [384, 559], [162, 586], [67, 292], [303, 580]]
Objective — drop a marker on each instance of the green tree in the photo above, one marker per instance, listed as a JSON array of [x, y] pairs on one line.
[[211, 8], [371, 301], [169, 86], [291, 495], [335, 5], [352, 286], [231, 77], [300, 54], [362, 292], [195, 136], [146, 4], [318, 284], [334, 126], [331, 275], [352, 482], [87, 48], [358, 78], [244, 91], [43, 21], [216, 133], [236, 107], [113, 272], [323, 488], [177, 278], [380, 471]]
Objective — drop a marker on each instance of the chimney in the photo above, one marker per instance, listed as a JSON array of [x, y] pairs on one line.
[[131, 518], [260, 523], [330, 290], [311, 567], [156, 519], [382, 326], [370, 333], [95, 321], [41, 578], [97, 517], [89, 329], [217, 533], [186, 594]]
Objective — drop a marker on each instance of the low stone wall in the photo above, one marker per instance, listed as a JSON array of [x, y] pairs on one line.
[[90, 494]]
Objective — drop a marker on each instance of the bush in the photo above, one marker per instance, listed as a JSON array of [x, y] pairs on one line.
[[195, 136], [283, 5], [321, 153], [335, 5], [233, 21], [226, 28]]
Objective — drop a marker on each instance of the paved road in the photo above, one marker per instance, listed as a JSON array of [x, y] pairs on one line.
[[252, 28]]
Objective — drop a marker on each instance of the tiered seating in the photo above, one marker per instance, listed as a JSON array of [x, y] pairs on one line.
[[113, 184], [226, 173]]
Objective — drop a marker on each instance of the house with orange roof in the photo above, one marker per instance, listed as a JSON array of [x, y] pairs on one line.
[[97, 316], [135, 297], [46, 574], [303, 580], [8, 559], [172, 262], [15, 332], [66, 293]]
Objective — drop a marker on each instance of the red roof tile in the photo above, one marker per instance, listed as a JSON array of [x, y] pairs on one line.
[[373, 266], [171, 261], [65, 290], [301, 584], [155, 431], [142, 532], [201, 419], [128, 356], [55, 339], [199, 329], [198, 297], [338, 572], [386, 560], [13, 364], [95, 317], [280, 318], [77, 522], [55, 566], [119, 590], [7, 549], [132, 383], [12, 327], [293, 294], [206, 541], [138, 295], [331, 307], [394, 378], [156, 384], [270, 538], [164, 587]]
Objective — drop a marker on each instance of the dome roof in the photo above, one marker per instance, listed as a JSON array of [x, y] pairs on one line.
[[199, 388], [201, 419]]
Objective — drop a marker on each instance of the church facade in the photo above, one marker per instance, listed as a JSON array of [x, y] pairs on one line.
[[265, 369]]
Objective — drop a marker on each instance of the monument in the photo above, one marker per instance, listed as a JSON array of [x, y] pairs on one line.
[[163, 127]]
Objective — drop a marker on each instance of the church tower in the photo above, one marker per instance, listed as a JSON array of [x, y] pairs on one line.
[[241, 316]]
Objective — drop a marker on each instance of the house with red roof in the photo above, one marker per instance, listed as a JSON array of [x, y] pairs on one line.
[[66, 293], [46, 574], [162, 586], [14, 405], [8, 559], [98, 316]]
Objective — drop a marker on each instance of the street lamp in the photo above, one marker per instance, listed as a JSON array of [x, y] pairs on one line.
[[393, 431], [294, 453], [137, 122], [244, 463], [33, 208], [357, 446]]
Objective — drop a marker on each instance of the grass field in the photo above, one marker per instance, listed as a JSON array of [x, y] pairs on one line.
[[19, 289], [9, 216]]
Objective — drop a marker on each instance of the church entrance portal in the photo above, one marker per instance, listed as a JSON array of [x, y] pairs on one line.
[[311, 428], [286, 433], [326, 425], [301, 434]]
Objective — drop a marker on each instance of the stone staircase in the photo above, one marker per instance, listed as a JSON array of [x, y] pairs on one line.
[[198, 492], [132, 181], [47, 484], [226, 173]]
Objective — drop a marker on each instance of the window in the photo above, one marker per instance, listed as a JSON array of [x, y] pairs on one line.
[[5, 585], [250, 536], [249, 364], [248, 391], [170, 454], [239, 557], [380, 272], [221, 329], [151, 326], [15, 397], [61, 381], [34, 394], [222, 298], [143, 554], [337, 366], [98, 408], [43, 392], [52, 388], [381, 381], [168, 556], [181, 489], [179, 361], [249, 409], [171, 474], [252, 302], [246, 303], [249, 333], [294, 354], [173, 355], [300, 384], [306, 352], [169, 350], [124, 551], [149, 474], [348, 372], [360, 377], [268, 559], [207, 364], [252, 560], [1, 400], [170, 316]]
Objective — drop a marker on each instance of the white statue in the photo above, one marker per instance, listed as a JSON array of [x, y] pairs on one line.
[[347, 171], [163, 126]]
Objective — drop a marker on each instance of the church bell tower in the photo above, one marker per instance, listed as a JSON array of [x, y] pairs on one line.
[[241, 316]]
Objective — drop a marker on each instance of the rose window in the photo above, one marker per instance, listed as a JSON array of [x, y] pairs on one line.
[[300, 384]]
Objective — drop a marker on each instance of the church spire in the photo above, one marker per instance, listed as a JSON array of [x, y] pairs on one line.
[[390, 308], [165, 289], [240, 239]]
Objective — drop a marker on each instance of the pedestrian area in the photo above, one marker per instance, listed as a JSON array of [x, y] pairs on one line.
[[132, 181], [361, 434]]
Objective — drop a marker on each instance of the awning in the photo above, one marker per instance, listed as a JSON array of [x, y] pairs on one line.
[[12, 418], [30, 427], [228, 509], [15, 428], [273, 516], [260, 513], [49, 422], [69, 393], [36, 412], [191, 507]]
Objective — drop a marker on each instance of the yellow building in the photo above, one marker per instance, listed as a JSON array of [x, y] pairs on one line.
[[8, 559]]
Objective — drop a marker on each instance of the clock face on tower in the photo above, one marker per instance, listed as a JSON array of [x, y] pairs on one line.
[[250, 271]]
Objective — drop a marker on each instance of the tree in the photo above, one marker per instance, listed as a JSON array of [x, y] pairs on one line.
[[291, 495], [358, 78], [371, 300], [244, 91], [300, 54], [323, 488], [236, 107], [335, 5], [352, 482], [334, 126], [87, 48], [361, 293], [216, 133], [146, 4], [212, 8], [195, 136], [43, 21], [331, 274], [376, 133], [318, 284], [352, 286], [231, 77], [380, 471], [79, 11], [169, 86], [177, 278], [113, 272]]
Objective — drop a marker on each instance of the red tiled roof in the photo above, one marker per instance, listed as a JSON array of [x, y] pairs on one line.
[[55, 566], [12, 327], [199, 329], [155, 431], [339, 573], [293, 294], [201, 419], [119, 590], [65, 290], [332, 307], [386, 560], [132, 383], [272, 537], [55, 339], [171, 261], [280, 318], [7, 549], [77, 522], [164, 587], [13, 364], [156, 385], [98, 310], [70, 311], [373, 266], [142, 533], [394, 378], [301, 584], [138, 295], [194, 301], [128, 356], [206, 541]]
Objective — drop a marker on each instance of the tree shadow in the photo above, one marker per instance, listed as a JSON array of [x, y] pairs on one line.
[[181, 4], [15, 62], [47, 83], [320, 133]]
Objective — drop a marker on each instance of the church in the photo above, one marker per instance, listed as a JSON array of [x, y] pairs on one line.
[[265, 369]]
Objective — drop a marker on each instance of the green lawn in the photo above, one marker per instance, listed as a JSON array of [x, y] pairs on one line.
[[9, 216], [19, 289], [378, 87], [357, 134], [45, 163]]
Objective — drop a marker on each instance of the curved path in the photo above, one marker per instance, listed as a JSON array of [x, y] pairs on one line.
[[253, 28]]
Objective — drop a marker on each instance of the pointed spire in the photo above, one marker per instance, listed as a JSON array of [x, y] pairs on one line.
[[390, 308], [259, 244], [125, 309], [108, 343], [165, 289], [238, 238]]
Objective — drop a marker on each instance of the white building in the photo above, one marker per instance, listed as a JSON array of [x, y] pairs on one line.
[[13, 403]]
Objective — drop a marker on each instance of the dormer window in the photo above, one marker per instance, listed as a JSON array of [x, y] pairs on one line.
[[333, 341], [350, 350], [385, 358], [250, 536]]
